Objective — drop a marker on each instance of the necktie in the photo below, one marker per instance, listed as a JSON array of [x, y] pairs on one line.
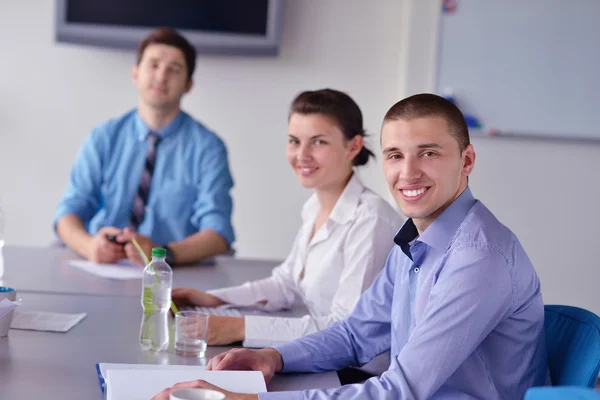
[[141, 197]]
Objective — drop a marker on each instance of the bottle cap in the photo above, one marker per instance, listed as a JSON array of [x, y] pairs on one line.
[[159, 252]]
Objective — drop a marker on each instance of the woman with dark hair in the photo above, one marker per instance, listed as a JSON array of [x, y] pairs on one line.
[[346, 234]]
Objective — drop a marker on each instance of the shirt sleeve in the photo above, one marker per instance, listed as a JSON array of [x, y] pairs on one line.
[[354, 341], [83, 194], [365, 249], [213, 206], [466, 303], [277, 292]]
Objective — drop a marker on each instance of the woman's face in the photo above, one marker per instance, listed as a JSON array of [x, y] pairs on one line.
[[318, 152]]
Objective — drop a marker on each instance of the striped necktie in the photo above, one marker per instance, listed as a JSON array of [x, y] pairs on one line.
[[141, 197]]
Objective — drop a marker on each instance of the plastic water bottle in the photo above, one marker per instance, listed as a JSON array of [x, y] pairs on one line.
[[1, 242], [156, 300]]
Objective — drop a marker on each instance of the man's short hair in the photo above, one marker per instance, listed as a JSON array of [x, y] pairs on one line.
[[431, 105], [170, 37]]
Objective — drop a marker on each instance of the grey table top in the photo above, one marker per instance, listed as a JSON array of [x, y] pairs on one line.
[[46, 270], [49, 365], [62, 365]]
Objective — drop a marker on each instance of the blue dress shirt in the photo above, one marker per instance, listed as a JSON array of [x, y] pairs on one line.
[[190, 185], [459, 307]]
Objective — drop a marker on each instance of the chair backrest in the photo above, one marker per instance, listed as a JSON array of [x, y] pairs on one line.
[[561, 393], [573, 345]]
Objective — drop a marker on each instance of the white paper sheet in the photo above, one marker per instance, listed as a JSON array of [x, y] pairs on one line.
[[143, 384], [121, 270], [45, 321], [7, 306]]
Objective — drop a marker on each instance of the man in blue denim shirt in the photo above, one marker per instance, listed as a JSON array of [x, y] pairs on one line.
[[153, 174], [458, 303]]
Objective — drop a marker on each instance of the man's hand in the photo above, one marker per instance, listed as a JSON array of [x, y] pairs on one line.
[[225, 330], [188, 297], [132, 253], [101, 250], [268, 361], [164, 395]]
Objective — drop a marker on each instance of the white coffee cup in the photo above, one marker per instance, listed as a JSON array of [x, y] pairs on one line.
[[11, 294], [196, 394]]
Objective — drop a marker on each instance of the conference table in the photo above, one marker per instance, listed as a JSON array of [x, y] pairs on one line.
[[47, 270], [51, 365]]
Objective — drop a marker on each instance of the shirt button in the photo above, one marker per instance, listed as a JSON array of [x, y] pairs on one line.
[[416, 270]]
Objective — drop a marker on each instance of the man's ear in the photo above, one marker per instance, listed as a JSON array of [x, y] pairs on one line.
[[134, 73], [468, 159], [190, 85]]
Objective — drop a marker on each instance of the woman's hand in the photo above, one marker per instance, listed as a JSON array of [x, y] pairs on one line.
[[188, 297]]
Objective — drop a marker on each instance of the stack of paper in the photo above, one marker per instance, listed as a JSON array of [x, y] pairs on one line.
[[142, 381]]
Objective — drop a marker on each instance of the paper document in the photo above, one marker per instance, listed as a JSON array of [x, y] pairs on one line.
[[121, 270], [7, 306], [142, 382], [45, 321]]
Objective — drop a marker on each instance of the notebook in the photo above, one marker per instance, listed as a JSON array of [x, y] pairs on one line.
[[143, 381]]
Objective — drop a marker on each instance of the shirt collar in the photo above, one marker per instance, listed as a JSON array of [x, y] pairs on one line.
[[345, 206], [405, 236], [441, 231], [142, 130]]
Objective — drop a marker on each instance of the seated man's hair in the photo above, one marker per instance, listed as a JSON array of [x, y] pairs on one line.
[[170, 37], [431, 105]]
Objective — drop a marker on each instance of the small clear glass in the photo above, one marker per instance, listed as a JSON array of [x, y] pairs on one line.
[[191, 333]]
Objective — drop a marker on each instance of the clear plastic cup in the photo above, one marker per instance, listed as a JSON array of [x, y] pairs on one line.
[[191, 333]]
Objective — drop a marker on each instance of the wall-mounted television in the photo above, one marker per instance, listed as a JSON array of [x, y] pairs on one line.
[[232, 27]]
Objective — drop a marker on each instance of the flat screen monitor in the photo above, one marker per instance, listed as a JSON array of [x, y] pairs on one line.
[[232, 27]]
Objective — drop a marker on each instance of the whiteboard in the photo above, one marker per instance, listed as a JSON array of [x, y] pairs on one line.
[[525, 67]]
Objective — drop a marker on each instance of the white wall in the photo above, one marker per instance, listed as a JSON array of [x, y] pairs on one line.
[[548, 193], [52, 94], [378, 51]]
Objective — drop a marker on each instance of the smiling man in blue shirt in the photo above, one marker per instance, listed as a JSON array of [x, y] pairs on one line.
[[458, 304], [154, 174]]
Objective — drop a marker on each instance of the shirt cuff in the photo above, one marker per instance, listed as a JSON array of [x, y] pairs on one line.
[[219, 224], [258, 332], [295, 356], [236, 295], [281, 396], [63, 210]]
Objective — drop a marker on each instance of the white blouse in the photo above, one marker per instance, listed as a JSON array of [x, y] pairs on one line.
[[340, 262]]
